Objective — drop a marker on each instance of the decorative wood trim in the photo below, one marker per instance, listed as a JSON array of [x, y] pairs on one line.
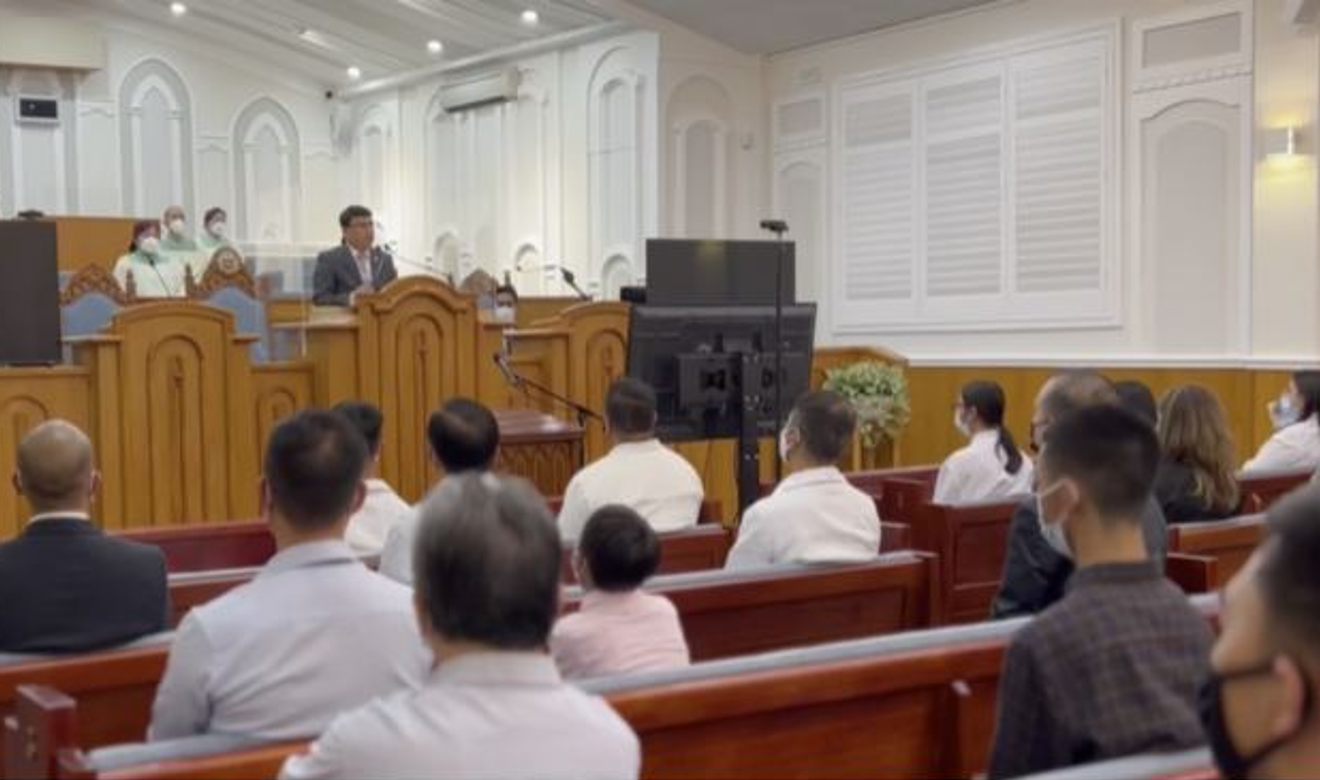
[[226, 269], [93, 279]]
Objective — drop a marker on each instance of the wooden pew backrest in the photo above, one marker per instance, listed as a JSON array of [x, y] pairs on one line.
[[1261, 490], [703, 548], [970, 541], [210, 546], [1230, 543], [740, 613]]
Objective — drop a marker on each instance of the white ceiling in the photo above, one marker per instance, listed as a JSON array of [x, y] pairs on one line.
[[772, 26], [320, 39]]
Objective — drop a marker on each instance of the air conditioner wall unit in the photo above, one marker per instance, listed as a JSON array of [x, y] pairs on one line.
[[488, 90]]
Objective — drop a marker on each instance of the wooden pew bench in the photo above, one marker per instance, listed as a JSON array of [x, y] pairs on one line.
[[1261, 490], [211, 546], [723, 614], [920, 704], [970, 541], [1203, 557]]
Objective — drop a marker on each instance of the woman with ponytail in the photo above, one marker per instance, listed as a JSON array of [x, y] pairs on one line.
[[991, 467]]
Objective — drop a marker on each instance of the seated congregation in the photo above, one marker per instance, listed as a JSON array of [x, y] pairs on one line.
[[379, 639]]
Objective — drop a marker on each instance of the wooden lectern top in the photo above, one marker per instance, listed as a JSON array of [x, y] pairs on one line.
[[529, 426]]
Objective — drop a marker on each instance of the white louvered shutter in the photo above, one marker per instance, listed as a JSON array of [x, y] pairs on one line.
[[1059, 172], [877, 209], [964, 185]]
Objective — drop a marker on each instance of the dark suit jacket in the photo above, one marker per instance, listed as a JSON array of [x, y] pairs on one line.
[[337, 275], [1035, 576], [69, 588]]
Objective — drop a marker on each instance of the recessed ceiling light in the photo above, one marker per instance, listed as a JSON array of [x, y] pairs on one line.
[[355, 73], [530, 17], [178, 9], [435, 47]]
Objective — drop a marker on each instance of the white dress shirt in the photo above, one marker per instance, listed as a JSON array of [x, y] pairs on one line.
[[814, 516], [363, 260], [396, 560], [976, 473], [164, 276], [382, 510], [1294, 448], [488, 715], [315, 634], [646, 476]]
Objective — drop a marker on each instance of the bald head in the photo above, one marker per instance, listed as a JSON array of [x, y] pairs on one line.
[[55, 468]]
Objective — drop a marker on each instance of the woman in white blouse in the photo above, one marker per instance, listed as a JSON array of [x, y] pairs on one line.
[[1295, 445], [991, 467]]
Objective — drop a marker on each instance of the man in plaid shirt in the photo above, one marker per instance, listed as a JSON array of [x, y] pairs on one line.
[[1113, 669]]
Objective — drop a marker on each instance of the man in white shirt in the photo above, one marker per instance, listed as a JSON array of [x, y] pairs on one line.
[[464, 437], [487, 563], [383, 509], [815, 515], [316, 633], [639, 472]]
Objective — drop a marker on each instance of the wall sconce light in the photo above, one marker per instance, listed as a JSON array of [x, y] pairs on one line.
[[1281, 143]]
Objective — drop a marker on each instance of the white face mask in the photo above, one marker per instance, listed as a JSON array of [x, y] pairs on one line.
[[177, 227], [505, 314], [1052, 530], [961, 424], [149, 245], [1284, 412], [217, 229]]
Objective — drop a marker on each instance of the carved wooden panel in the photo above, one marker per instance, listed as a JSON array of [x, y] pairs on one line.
[[417, 347], [93, 279], [225, 269], [29, 397], [279, 391], [185, 379], [598, 354]]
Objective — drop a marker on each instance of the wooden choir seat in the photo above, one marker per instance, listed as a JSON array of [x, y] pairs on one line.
[[919, 704], [1205, 556], [1260, 490]]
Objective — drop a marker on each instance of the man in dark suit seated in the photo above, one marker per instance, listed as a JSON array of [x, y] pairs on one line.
[[356, 266], [71, 588]]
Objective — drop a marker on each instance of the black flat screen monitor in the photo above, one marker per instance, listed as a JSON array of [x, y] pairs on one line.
[[29, 294], [717, 273], [690, 356]]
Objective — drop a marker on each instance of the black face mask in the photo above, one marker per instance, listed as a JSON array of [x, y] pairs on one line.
[[1232, 763]]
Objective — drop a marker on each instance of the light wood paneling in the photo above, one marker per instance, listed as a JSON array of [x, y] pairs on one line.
[[86, 241], [29, 397]]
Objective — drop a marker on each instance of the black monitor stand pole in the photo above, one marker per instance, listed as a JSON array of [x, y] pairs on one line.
[[779, 227]]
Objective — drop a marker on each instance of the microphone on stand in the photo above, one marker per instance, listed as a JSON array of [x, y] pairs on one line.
[[502, 361], [570, 279]]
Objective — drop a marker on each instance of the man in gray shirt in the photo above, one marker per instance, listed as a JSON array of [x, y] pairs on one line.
[[316, 633]]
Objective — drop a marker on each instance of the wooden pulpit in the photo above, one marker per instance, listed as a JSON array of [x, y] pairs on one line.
[[540, 448]]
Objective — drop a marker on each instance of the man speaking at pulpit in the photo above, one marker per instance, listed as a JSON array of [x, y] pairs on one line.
[[356, 266]]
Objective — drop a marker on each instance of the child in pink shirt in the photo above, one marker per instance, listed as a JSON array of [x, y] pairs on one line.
[[619, 629]]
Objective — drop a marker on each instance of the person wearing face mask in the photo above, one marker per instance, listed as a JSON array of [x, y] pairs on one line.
[[155, 273], [639, 472], [506, 304], [990, 467], [1259, 704], [175, 236], [1295, 445], [815, 515], [357, 266], [1035, 573], [1113, 669], [215, 233]]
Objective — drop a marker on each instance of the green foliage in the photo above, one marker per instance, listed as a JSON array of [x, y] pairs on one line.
[[879, 393]]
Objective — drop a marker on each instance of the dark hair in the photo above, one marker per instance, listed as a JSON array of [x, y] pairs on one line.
[[1308, 386], [212, 213], [620, 548], [826, 422], [314, 463], [464, 436], [367, 419], [1288, 575], [351, 213], [507, 289], [1137, 398], [1075, 390], [486, 562], [987, 400], [140, 227], [630, 407], [1111, 453]]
